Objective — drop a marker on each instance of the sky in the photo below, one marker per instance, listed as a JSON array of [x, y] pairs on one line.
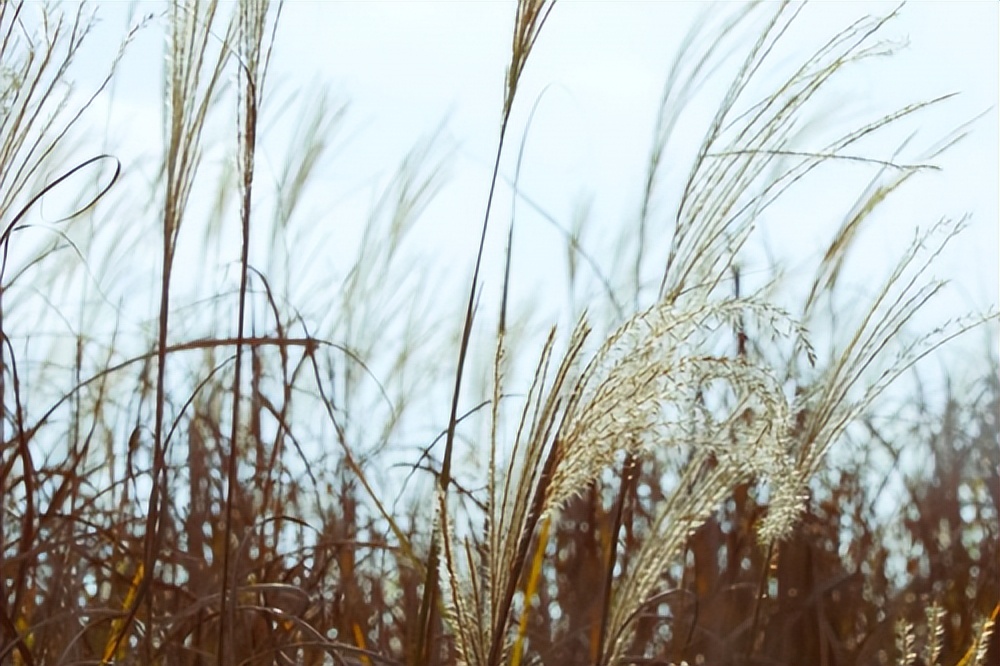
[[596, 77], [583, 121], [410, 69]]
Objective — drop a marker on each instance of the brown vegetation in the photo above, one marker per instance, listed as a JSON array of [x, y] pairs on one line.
[[659, 491]]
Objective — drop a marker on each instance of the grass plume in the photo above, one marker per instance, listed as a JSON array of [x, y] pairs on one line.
[[271, 464]]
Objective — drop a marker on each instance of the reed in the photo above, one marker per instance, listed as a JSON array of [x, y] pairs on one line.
[[231, 469]]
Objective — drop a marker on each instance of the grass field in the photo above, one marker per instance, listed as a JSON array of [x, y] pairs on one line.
[[227, 438]]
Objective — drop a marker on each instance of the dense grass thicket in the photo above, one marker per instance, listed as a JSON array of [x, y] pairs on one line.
[[231, 436]]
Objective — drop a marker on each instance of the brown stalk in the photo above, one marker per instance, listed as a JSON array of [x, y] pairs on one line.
[[629, 477], [527, 24]]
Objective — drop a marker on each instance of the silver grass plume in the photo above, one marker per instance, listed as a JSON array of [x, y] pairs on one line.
[[638, 392], [641, 391]]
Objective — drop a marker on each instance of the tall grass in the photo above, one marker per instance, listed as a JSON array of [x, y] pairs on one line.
[[208, 479]]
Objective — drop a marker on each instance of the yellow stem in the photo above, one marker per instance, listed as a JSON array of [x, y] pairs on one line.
[[529, 591]]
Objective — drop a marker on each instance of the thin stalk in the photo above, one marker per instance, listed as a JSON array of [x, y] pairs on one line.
[[252, 17], [529, 19], [517, 565], [629, 478], [529, 590], [250, 123], [758, 602], [429, 599]]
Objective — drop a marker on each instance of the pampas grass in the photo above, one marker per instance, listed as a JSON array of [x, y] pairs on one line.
[[216, 488]]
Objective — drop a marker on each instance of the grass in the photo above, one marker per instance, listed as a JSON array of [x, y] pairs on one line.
[[240, 477]]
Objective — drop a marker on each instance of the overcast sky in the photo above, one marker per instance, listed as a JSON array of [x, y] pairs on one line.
[[597, 75], [406, 68]]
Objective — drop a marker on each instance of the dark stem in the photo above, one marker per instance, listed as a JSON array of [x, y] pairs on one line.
[[628, 481], [429, 600]]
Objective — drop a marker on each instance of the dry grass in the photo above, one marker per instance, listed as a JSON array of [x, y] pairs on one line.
[[214, 484]]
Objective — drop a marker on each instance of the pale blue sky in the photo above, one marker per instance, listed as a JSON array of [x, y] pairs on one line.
[[599, 68], [406, 68]]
